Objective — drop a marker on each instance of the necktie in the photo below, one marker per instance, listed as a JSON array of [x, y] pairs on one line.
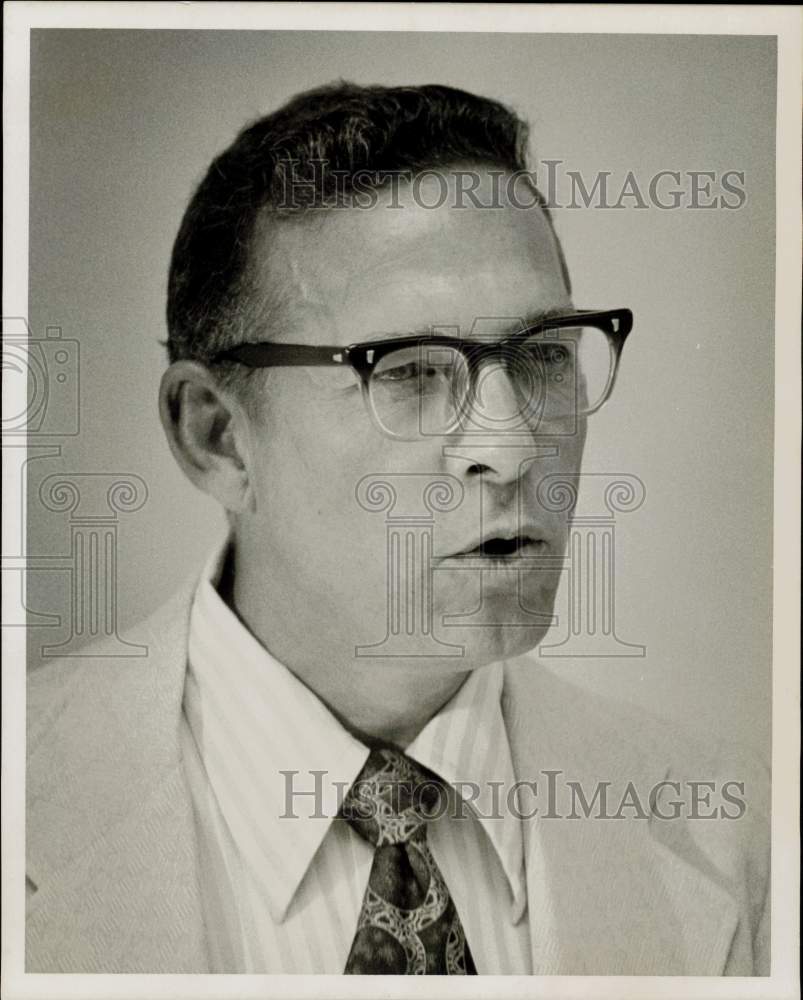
[[408, 924]]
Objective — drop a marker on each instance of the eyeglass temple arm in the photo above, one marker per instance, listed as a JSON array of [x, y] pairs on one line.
[[266, 355]]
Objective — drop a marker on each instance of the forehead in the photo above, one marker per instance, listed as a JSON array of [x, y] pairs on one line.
[[413, 260]]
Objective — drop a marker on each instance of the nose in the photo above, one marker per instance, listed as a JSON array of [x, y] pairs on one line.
[[495, 404], [496, 439]]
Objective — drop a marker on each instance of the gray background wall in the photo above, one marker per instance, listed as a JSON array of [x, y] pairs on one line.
[[123, 123]]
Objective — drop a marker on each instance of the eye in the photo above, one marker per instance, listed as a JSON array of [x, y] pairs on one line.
[[549, 356], [413, 371], [399, 373]]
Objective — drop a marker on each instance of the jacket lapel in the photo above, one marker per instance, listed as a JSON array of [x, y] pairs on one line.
[[117, 890], [605, 896]]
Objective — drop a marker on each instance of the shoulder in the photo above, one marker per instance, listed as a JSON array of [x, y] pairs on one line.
[[101, 729], [76, 703], [548, 712], [705, 800]]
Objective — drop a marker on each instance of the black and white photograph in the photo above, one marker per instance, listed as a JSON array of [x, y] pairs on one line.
[[401, 500]]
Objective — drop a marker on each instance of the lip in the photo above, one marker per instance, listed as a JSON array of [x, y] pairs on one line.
[[490, 546]]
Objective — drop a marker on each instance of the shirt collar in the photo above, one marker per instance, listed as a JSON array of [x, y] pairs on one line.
[[266, 742], [269, 779]]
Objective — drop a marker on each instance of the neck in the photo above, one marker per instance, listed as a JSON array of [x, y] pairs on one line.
[[394, 712], [384, 698]]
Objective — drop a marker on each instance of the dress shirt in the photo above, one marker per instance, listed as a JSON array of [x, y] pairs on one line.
[[282, 885]]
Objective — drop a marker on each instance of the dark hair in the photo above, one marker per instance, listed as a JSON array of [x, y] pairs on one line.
[[351, 129]]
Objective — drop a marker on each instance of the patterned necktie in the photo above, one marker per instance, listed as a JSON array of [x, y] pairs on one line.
[[408, 923]]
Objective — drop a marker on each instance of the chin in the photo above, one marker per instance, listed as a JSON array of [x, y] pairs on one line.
[[451, 649], [470, 625], [502, 617], [489, 644]]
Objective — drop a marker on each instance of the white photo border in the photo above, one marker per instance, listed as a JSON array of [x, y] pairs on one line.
[[783, 22]]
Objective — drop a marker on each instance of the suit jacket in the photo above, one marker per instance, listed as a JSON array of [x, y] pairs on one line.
[[113, 868]]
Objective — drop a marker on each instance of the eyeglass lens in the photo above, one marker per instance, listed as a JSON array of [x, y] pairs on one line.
[[554, 375]]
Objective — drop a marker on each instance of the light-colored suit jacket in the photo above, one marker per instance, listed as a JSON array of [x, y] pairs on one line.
[[113, 868]]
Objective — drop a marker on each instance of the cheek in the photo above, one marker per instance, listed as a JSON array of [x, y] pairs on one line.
[[307, 471], [567, 461]]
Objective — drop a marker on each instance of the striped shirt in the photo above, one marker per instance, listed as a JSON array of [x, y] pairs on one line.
[[282, 884]]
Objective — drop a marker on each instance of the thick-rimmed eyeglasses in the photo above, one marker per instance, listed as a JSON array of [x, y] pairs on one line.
[[561, 368]]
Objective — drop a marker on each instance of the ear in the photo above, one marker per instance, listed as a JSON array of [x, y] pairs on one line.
[[205, 429]]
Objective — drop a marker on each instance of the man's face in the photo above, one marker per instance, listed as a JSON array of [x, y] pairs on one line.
[[327, 568]]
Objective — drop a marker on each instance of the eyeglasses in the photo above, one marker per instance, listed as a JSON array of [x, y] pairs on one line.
[[561, 368]]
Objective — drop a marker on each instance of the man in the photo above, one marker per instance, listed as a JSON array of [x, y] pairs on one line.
[[338, 756]]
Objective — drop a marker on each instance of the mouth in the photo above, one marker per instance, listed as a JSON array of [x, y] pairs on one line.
[[503, 547]]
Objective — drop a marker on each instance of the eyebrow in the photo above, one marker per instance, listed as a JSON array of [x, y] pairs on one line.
[[533, 318]]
